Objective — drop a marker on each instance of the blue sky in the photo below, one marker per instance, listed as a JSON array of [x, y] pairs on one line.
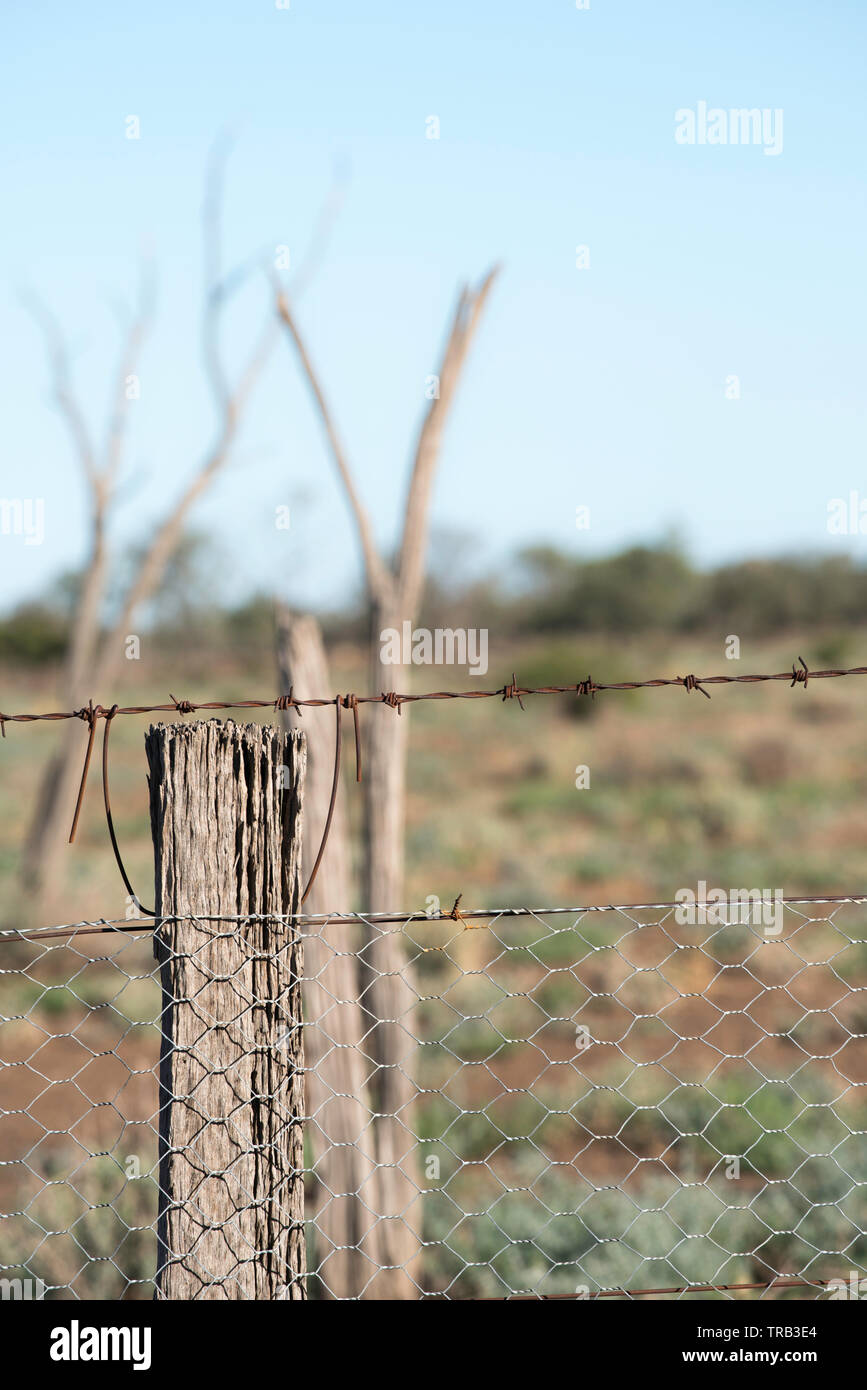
[[602, 387]]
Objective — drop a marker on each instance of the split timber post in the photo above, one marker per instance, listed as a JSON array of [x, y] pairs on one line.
[[225, 803]]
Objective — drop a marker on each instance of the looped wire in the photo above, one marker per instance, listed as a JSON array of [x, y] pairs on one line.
[[351, 702], [89, 713], [109, 716], [335, 783]]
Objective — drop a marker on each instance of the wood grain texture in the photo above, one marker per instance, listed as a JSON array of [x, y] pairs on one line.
[[388, 993], [348, 1246], [225, 804]]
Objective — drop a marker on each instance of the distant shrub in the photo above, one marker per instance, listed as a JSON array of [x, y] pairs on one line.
[[647, 588], [631, 591], [34, 634]]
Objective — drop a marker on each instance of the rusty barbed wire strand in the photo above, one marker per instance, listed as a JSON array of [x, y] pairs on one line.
[[512, 690], [395, 700]]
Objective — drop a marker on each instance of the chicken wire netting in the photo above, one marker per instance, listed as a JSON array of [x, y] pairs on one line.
[[569, 1103]]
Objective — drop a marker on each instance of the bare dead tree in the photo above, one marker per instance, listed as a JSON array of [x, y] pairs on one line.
[[394, 593], [95, 654], [100, 469]]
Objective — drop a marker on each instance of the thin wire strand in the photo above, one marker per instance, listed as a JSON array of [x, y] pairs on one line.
[[782, 1283], [480, 916]]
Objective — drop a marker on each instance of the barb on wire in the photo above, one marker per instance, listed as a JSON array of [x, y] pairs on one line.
[[693, 683], [513, 691]]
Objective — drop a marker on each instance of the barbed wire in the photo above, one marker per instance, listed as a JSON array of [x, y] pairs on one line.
[[799, 675], [512, 690]]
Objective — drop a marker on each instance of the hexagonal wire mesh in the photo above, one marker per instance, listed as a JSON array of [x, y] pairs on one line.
[[589, 1100]]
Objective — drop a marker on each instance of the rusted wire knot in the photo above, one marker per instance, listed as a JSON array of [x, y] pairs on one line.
[[285, 702], [182, 706], [351, 702], [513, 691], [392, 699], [587, 687], [800, 677], [3, 718], [693, 683]]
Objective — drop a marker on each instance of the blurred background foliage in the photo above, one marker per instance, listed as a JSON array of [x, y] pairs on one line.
[[541, 590]]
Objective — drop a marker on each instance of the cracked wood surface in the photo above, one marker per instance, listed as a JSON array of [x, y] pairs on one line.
[[225, 804]]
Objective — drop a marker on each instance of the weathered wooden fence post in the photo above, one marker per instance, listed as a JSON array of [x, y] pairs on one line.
[[225, 805]]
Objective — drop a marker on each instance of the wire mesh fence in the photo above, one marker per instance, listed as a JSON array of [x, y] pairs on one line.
[[590, 1102]]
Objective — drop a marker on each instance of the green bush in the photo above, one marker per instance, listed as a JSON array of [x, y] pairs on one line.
[[33, 634]]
